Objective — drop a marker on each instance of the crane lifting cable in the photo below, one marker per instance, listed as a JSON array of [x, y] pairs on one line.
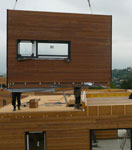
[[15, 4], [90, 6]]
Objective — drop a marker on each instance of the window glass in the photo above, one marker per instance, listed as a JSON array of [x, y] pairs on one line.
[[52, 49], [25, 48]]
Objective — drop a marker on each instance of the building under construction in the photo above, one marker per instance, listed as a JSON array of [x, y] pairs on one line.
[[58, 50]]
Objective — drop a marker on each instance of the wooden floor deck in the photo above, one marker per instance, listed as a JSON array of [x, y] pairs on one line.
[[94, 106], [46, 103]]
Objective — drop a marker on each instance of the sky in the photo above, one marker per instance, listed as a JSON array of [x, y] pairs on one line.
[[121, 11]]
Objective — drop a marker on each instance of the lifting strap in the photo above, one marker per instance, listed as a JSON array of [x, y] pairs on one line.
[[90, 6], [15, 4]]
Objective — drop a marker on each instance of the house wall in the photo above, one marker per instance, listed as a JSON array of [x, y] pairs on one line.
[[64, 130], [68, 139], [61, 133], [90, 37]]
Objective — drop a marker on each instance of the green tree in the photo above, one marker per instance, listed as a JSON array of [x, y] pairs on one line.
[[112, 85], [127, 84]]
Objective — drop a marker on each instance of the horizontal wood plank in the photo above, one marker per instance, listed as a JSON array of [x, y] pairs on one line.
[[90, 37]]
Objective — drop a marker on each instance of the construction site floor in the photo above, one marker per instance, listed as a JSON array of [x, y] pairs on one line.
[[45, 103]]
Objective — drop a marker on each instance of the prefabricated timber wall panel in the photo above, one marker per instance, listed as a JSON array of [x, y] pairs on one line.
[[90, 49]]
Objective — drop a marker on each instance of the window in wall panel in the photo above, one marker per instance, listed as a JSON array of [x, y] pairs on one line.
[[116, 139], [35, 141], [26, 49], [53, 50], [34, 49]]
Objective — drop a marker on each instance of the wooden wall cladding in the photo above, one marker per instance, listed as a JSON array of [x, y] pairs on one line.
[[90, 37], [64, 130], [106, 134], [68, 139], [60, 133], [109, 110], [2, 80], [5, 95], [8, 101]]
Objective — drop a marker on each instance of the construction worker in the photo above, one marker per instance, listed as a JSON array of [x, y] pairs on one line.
[[77, 94], [16, 95]]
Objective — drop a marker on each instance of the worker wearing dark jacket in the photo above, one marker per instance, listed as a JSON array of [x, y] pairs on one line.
[[16, 95], [77, 94]]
